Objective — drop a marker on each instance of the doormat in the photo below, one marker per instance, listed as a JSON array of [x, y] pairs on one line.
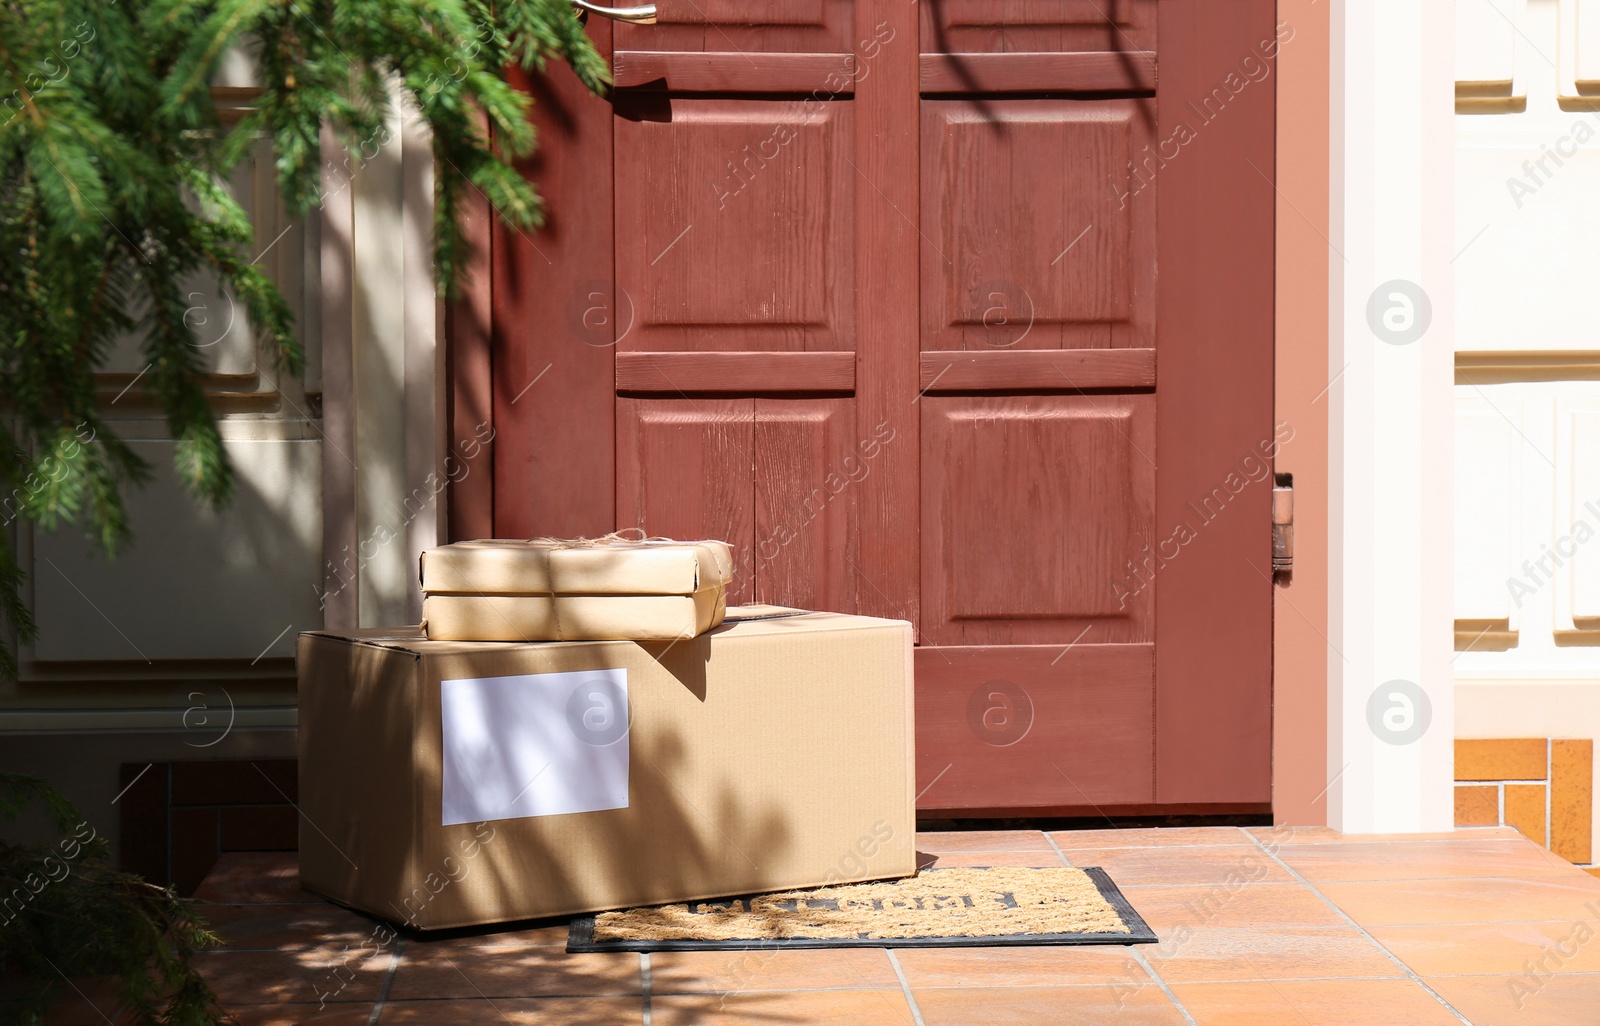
[[954, 907]]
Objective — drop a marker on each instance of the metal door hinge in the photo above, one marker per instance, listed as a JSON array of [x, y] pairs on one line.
[[1283, 524]]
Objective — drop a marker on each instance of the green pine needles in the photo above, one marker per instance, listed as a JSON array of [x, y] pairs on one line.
[[112, 164], [67, 914]]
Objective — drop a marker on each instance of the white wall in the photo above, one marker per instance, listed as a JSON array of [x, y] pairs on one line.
[[1528, 379], [200, 595], [1525, 177], [332, 466], [1389, 463]]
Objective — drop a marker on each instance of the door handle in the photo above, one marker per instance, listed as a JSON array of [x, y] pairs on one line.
[[632, 15]]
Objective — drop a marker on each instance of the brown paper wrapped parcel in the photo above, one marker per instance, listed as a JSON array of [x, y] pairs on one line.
[[546, 589]]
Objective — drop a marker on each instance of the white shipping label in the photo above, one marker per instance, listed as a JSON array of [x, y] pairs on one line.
[[534, 744]]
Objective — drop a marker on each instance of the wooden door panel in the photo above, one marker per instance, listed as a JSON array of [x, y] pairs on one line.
[[1045, 239], [1094, 72], [958, 232], [1037, 26], [742, 373], [743, 26], [823, 75], [888, 238], [805, 469], [994, 370], [735, 225], [1032, 509], [1214, 318], [770, 476], [1005, 730], [552, 328], [684, 471]]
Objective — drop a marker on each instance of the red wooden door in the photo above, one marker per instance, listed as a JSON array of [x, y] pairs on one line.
[[935, 313]]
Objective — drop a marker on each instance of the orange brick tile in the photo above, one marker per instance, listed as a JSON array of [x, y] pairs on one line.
[[300, 924], [1425, 860], [1100, 965], [1144, 1005], [1525, 811], [688, 972], [936, 841], [1155, 837], [1563, 999], [1249, 906], [1314, 1003], [1278, 837], [1180, 864], [1477, 805], [1285, 953], [1420, 902], [509, 973], [819, 1007], [1522, 758], [291, 1015], [246, 877], [1289, 833], [1489, 949], [517, 1012], [1046, 859], [1572, 798], [308, 976]]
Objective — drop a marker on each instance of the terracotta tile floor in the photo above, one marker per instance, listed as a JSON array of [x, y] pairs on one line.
[[1261, 925]]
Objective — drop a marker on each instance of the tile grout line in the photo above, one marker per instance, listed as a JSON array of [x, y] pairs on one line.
[[1150, 970], [644, 987], [1052, 841], [1466, 832], [905, 987], [1517, 877], [1549, 791], [388, 981], [1500, 976], [1362, 930]]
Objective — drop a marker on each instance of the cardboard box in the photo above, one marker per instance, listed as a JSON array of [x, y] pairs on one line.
[[448, 784], [606, 589]]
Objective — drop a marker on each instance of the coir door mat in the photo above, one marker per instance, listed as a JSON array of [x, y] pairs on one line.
[[937, 908]]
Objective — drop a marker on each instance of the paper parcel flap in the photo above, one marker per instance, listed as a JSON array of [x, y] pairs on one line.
[[506, 566], [573, 617]]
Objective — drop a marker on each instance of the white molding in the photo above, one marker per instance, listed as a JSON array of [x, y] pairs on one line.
[[1486, 59], [1391, 465], [383, 469], [423, 386], [35, 721], [378, 337]]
